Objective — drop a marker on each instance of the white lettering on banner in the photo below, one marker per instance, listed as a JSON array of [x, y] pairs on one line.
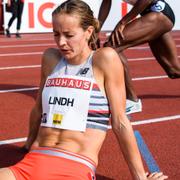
[[69, 83], [37, 14], [42, 20]]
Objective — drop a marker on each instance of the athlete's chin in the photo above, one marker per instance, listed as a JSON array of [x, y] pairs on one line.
[[68, 57], [67, 54]]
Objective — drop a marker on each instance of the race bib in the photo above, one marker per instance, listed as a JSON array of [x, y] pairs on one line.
[[66, 102]]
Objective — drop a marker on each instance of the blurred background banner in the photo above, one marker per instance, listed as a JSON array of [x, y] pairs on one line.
[[36, 16]]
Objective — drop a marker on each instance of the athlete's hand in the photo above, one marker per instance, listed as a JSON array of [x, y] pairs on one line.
[[156, 175], [116, 36], [119, 30]]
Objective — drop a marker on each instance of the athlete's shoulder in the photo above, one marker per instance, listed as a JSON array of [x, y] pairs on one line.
[[50, 59], [51, 55], [107, 60], [105, 55]]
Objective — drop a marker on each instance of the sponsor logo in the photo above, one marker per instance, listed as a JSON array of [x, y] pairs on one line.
[[57, 119], [158, 7], [69, 83], [84, 71], [61, 101]]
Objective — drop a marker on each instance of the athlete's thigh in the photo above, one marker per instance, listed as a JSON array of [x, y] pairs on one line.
[[140, 31], [146, 27], [6, 174], [164, 48]]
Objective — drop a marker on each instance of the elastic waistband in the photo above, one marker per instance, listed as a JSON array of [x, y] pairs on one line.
[[67, 155]]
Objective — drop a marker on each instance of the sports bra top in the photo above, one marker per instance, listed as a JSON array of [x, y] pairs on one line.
[[71, 98]]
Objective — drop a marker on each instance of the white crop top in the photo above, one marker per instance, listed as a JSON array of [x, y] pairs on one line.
[[72, 100]]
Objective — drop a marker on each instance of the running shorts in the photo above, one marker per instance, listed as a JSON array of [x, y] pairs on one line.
[[53, 164], [156, 7]]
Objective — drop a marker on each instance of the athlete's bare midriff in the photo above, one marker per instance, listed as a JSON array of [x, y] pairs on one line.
[[83, 143]]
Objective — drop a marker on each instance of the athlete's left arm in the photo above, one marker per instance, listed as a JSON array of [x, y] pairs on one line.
[[113, 73]]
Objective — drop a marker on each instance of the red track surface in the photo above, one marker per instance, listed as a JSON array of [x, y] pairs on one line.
[[160, 97]]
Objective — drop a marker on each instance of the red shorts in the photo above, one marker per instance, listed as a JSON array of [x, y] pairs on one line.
[[54, 164]]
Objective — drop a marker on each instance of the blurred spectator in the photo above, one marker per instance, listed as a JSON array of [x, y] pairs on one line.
[[17, 9]]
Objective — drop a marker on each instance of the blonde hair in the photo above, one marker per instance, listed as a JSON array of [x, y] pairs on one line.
[[85, 14]]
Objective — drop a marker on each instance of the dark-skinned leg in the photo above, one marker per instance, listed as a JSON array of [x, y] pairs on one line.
[[141, 30], [130, 92], [133, 104], [165, 52]]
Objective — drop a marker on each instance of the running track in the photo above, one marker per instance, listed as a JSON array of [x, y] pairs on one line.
[[156, 128]]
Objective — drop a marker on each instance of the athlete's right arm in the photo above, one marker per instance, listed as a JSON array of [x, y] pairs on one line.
[[113, 80], [49, 60]]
